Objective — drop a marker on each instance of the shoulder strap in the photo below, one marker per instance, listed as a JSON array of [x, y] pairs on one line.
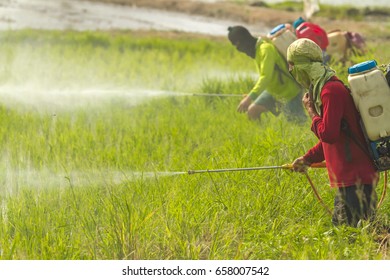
[[281, 73], [351, 135]]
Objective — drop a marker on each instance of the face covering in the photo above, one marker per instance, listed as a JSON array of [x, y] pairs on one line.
[[247, 47], [308, 70], [313, 74], [300, 76], [242, 39]]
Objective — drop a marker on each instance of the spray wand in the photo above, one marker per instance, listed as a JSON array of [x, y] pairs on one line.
[[288, 166], [216, 94], [284, 166]]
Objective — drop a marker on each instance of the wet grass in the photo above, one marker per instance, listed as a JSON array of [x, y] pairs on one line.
[[269, 214]]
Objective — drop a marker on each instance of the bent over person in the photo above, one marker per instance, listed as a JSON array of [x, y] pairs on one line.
[[332, 110], [275, 88]]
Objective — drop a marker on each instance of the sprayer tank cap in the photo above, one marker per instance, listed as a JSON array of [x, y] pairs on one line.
[[298, 22], [362, 67], [277, 28]]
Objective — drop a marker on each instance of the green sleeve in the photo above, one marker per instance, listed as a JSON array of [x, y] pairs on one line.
[[265, 61]]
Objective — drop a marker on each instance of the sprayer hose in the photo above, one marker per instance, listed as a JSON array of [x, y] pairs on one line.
[[317, 194], [384, 191], [383, 195]]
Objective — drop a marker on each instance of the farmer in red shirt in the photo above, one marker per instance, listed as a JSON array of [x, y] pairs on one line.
[[329, 104]]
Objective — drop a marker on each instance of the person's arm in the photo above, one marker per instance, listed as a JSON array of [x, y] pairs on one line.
[[244, 104], [314, 155], [327, 126], [265, 63]]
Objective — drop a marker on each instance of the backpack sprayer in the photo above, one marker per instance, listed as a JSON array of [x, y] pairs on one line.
[[370, 90]]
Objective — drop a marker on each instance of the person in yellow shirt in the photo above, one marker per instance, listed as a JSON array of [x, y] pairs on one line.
[[275, 90]]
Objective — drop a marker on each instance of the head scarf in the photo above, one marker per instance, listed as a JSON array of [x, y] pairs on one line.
[[309, 69]]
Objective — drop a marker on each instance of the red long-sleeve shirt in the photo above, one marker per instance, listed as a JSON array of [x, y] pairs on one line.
[[337, 104]]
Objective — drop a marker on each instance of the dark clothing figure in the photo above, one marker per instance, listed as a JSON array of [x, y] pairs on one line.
[[354, 203]]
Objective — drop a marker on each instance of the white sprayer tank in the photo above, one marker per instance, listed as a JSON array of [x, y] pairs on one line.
[[371, 94], [338, 44], [282, 37]]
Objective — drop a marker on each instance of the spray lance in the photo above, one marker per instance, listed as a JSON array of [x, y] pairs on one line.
[[179, 94], [216, 94], [284, 166], [288, 166]]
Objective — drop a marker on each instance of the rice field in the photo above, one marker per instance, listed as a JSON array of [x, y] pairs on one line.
[[98, 131]]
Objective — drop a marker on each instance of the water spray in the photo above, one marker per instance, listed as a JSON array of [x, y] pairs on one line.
[[178, 94], [49, 99]]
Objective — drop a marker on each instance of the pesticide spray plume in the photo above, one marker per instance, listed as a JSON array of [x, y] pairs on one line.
[[13, 179], [44, 99], [178, 93], [41, 83]]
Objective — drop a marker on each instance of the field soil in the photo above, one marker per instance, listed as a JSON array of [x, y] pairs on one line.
[[202, 17], [374, 28]]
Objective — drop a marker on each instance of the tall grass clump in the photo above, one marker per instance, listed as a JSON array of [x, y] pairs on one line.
[[107, 178]]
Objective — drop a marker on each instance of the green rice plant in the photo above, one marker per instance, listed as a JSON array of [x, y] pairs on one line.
[[104, 175]]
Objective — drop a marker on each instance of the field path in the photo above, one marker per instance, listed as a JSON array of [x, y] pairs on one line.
[[86, 15]]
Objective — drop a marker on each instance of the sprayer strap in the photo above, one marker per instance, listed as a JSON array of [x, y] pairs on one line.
[[282, 73], [351, 135]]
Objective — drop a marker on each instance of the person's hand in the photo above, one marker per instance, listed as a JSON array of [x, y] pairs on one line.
[[308, 103], [300, 165], [244, 104]]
